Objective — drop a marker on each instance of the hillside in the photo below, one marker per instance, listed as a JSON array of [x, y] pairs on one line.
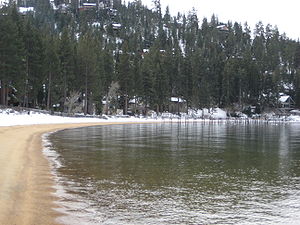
[[103, 56]]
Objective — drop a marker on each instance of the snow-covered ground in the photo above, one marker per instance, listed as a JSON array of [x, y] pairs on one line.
[[293, 118], [10, 117]]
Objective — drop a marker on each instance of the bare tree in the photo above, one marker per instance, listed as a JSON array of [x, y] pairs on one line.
[[111, 95], [72, 103]]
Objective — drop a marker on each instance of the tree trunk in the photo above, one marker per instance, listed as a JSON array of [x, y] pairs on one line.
[[135, 106], [2, 93], [65, 91], [86, 91], [107, 104], [187, 107], [6, 96], [240, 93], [49, 91], [126, 105], [25, 100]]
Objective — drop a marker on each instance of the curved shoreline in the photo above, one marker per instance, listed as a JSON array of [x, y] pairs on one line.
[[26, 182]]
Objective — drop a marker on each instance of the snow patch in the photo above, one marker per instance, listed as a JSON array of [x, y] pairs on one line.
[[215, 113], [218, 113], [294, 118]]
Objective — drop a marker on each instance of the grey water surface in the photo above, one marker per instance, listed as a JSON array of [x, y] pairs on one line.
[[171, 173]]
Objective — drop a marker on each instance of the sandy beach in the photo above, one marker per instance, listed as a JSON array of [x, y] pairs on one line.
[[26, 183]]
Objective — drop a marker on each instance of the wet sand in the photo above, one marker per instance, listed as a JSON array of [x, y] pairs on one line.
[[26, 183]]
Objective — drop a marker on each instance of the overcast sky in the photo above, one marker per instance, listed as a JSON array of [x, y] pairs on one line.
[[284, 14]]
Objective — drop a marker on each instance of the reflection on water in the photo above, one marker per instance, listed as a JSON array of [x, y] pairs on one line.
[[181, 173]]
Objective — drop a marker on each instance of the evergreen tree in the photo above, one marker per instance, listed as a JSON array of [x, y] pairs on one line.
[[297, 66], [11, 56], [67, 67], [52, 81], [34, 55], [124, 75], [208, 63], [87, 66]]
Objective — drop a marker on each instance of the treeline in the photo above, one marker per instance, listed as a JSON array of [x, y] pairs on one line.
[[47, 58]]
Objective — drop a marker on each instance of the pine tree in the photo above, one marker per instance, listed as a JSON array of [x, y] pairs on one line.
[[34, 51], [87, 66], [124, 75], [148, 80], [206, 63], [11, 56], [67, 66], [297, 66], [52, 79]]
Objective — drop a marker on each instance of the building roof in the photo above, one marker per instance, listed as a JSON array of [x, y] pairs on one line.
[[284, 98], [116, 25], [177, 99], [89, 4], [24, 10]]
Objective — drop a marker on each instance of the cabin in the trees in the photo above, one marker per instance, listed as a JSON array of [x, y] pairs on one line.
[[223, 28], [26, 6], [286, 102], [94, 4], [116, 26], [88, 4], [177, 105], [136, 106]]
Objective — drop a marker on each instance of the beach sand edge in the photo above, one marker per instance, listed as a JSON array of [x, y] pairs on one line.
[[27, 185]]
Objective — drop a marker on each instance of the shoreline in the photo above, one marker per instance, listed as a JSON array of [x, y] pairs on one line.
[[27, 183]]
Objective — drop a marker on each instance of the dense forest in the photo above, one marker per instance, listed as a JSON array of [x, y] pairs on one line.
[[56, 57]]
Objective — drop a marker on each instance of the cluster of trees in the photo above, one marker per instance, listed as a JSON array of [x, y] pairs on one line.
[[48, 56]]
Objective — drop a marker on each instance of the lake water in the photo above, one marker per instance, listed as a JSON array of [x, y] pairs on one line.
[[167, 173]]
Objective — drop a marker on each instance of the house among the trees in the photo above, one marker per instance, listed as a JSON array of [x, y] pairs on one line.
[[116, 26], [286, 102], [94, 4], [26, 6], [177, 105], [87, 4], [223, 27], [136, 106]]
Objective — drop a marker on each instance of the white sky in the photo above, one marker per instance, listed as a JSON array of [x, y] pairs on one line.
[[284, 14]]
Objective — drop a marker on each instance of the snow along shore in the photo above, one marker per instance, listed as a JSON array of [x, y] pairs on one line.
[[10, 117]]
